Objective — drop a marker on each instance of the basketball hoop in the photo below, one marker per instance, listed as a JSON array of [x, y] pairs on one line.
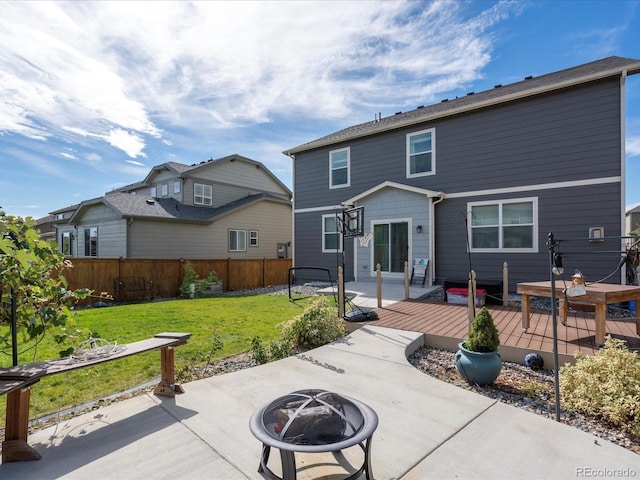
[[365, 239]]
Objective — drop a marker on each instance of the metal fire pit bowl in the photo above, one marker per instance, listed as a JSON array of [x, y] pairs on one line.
[[313, 421]]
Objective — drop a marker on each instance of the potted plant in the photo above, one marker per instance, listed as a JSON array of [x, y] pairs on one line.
[[193, 286], [478, 360], [212, 284]]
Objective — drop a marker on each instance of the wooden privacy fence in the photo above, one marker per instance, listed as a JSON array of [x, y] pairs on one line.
[[98, 274]]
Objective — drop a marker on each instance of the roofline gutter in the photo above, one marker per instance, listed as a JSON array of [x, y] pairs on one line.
[[633, 69]]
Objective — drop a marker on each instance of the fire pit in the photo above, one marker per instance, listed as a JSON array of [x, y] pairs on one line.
[[313, 421]]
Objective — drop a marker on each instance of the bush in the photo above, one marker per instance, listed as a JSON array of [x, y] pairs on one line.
[[483, 335], [318, 325], [276, 351], [605, 385]]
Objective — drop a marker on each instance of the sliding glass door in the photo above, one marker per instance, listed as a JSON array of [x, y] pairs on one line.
[[391, 246]]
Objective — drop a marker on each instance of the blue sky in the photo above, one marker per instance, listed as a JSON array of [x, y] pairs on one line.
[[94, 94]]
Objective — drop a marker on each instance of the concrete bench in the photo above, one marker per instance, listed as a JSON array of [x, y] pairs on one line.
[[16, 383], [131, 288]]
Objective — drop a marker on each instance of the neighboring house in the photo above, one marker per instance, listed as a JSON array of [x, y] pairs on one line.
[[632, 220], [475, 181], [232, 207], [46, 228]]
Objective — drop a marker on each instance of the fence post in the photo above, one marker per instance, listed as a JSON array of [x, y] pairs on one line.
[[472, 296], [379, 284], [505, 284], [406, 279]]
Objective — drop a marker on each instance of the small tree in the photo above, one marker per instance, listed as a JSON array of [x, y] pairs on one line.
[[483, 335], [33, 291]]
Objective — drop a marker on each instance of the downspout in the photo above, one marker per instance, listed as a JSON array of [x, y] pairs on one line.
[[432, 243], [292, 156], [623, 179]]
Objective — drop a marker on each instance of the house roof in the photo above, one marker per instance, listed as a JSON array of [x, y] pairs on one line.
[[588, 72], [128, 205], [182, 170]]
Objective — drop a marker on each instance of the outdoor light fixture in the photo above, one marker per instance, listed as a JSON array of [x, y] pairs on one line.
[[558, 268], [419, 229]]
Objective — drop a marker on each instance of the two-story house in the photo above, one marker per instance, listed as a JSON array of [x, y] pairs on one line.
[[475, 181], [232, 207]]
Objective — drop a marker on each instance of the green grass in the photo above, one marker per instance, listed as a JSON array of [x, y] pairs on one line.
[[235, 320]]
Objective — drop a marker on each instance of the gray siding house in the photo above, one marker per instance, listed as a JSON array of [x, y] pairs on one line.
[[633, 220], [475, 181], [232, 207]]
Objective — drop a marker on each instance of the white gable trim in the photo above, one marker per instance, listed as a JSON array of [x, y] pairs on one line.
[[388, 184]]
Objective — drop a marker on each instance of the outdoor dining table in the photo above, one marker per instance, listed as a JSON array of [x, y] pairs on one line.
[[599, 294]]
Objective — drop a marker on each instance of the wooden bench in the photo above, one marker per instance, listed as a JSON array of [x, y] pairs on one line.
[[131, 288], [16, 383]]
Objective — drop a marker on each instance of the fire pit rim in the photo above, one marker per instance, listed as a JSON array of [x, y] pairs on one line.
[[370, 423]]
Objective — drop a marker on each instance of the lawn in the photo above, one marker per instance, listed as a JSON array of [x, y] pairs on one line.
[[234, 320]]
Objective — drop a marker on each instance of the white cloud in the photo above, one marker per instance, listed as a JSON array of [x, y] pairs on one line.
[[116, 71], [129, 143], [633, 147]]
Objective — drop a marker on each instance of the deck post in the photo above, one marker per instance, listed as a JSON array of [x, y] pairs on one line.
[[15, 447], [505, 284]]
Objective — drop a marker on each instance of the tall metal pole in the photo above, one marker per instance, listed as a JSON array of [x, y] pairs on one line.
[[14, 329], [554, 319]]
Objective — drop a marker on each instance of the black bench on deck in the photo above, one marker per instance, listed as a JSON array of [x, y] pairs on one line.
[[132, 288], [16, 382]]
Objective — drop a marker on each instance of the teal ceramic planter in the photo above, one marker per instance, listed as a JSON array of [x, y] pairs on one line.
[[477, 367]]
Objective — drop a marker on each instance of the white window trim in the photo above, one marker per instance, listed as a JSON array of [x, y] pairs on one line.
[[331, 169], [164, 189], [177, 186], [154, 192], [204, 196], [533, 249], [254, 235], [432, 131], [244, 232], [324, 247]]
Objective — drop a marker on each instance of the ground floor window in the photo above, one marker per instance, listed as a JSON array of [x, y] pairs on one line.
[[237, 240], [66, 244], [504, 225], [91, 242], [331, 237], [391, 246]]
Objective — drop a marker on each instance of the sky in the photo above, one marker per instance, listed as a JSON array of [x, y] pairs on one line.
[[94, 94]]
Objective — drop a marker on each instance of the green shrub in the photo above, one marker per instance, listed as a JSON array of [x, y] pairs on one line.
[[483, 334], [605, 385], [276, 351], [317, 325]]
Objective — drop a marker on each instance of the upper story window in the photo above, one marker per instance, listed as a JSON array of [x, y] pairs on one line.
[[237, 240], [202, 194], [164, 190], [331, 237], [176, 187], [154, 192], [421, 153], [253, 238], [91, 242], [507, 225], [339, 166]]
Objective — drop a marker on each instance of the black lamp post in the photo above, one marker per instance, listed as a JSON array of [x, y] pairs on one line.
[[14, 323], [555, 268]]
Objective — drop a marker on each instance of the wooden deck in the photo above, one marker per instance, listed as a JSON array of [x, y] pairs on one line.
[[444, 325]]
